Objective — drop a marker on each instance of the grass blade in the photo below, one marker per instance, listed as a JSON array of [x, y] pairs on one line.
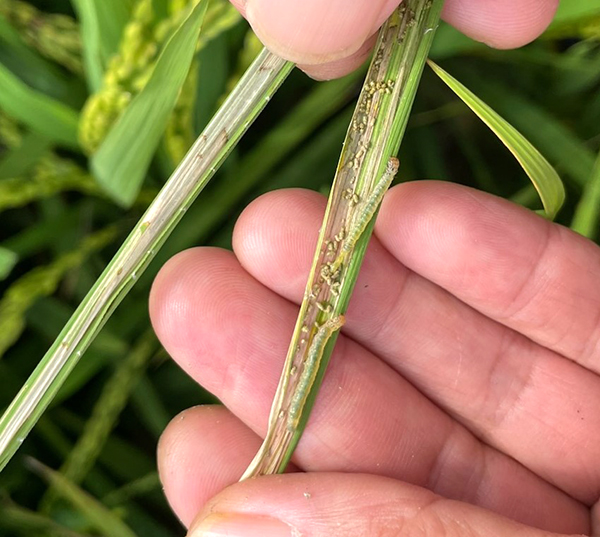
[[542, 174], [18, 520], [552, 137], [105, 521], [220, 17], [140, 487], [121, 162], [587, 214], [239, 111], [108, 407], [42, 114], [288, 134], [374, 135]]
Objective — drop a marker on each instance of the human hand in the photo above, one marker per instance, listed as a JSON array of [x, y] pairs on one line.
[[329, 38], [462, 397]]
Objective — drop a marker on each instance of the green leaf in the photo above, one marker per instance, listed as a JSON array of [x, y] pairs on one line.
[[551, 136], [39, 112], [19, 520], [587, 214], [107, 409], [8, 259], [102, 24], [121, 162], [97, 515], [542, 174]]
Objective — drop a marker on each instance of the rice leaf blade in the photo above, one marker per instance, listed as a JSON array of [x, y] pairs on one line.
[[543, 176], [587, 214], [553, 138], [105, 521], [44, 115]]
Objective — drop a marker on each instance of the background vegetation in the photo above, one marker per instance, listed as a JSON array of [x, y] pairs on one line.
[[60, 224]]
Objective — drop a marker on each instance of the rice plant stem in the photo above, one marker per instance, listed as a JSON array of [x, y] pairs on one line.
[[366, 163], [241, 108]]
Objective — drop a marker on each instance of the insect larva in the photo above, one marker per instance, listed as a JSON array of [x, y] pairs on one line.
[[311, 369], [370, 206], [367, 211]]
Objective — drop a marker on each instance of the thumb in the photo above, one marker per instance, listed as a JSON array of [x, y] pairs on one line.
[[352, 505], [313, 32]]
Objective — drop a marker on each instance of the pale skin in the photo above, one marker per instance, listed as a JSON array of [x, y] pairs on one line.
[[463, 395]]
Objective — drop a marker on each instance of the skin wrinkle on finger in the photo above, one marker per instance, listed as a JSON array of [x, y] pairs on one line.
[[357, 506], [492, 260], [209, 435], [512, 393], [564, 386], [195, 436], [348, 510], [398, 438], [336, 69]]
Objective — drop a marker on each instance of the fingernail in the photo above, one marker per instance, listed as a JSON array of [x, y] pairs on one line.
[[313, 31], [241, 525]]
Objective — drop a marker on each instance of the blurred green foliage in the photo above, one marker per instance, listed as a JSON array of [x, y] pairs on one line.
[[62, 90]]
